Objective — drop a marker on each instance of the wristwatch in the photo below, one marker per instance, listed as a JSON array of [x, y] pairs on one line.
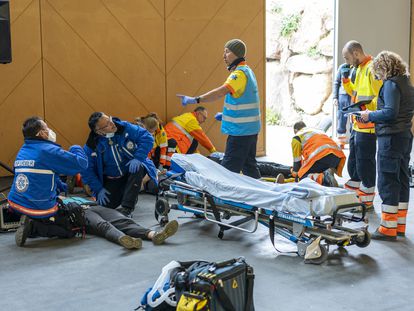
[[198, 99]]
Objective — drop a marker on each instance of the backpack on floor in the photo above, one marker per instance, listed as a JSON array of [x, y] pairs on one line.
[[161, 296], [202, 286], [221, 286]]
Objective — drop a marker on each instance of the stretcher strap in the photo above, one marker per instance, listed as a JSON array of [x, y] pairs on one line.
[[272, 233], [215, 211]]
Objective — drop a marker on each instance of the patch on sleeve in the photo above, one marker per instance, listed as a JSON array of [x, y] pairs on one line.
[[22, 183]]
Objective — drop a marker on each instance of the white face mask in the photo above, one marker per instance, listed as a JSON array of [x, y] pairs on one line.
[[51, 136], [109, 135]]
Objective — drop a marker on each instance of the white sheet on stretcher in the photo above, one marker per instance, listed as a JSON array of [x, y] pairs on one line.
[[304, 198]]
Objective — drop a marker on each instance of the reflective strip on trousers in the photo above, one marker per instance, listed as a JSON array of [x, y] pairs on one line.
[[366, 190], [390, 209], [403, 206], [402, 215], [353, 184], [318, 177]]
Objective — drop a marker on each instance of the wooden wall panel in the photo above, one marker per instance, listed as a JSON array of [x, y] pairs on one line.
[[124, 57], [194, 62], [106, 62], [21, 81]]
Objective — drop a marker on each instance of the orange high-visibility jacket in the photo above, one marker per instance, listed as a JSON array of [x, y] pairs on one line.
[[161, 141], [365, 88], [310, 145], [184, 128]]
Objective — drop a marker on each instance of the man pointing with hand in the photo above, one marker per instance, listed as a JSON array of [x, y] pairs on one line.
[[241, 112]]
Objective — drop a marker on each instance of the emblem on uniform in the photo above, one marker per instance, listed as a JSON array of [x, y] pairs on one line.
[[233, 77], [22, 183], [130, 145]]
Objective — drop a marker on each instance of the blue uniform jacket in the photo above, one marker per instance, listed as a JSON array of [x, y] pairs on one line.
[[36, 181], [109, 156]]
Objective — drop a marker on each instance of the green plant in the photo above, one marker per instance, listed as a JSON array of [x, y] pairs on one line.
[[290, 23], [313, 52], [272, 117]]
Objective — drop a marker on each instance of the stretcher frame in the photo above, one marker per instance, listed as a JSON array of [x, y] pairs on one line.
[[312, 235]]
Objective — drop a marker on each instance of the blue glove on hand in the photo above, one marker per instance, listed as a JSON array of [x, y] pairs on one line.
[[218, 116], [102, 197], [134, 165], [345, 71], [186, 100], [62, 187]]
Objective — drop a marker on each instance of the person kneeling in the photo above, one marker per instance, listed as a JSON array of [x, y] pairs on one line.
[[36, 185], [117, 152], [316, 156]]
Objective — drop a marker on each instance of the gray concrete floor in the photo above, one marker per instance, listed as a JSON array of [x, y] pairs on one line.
[[94, 274]]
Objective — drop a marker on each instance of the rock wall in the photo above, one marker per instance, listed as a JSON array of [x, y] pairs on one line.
[[299, 51]]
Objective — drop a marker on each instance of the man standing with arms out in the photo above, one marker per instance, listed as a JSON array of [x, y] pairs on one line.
[[241, 111], [117, 152], [184, 133], [362, 144]]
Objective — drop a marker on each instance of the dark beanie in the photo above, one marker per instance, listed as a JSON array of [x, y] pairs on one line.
[[237, 46]]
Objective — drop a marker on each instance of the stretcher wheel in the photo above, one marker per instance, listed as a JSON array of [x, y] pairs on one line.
[[163, 221], [321, 259], [162, 208], [365, 241]]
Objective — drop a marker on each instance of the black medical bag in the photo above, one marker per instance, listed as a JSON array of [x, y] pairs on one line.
[[221, 286]]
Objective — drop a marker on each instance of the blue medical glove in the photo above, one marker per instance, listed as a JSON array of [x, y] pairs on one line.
[[218, 116], [62, 187], [187, 100], [345, 71], [134, 165], [102, 197]]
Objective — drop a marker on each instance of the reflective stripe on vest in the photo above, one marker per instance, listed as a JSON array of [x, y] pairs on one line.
[[33, 212], [183, 130]]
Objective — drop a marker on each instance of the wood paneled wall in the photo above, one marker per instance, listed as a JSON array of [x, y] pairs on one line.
[[123, 57]]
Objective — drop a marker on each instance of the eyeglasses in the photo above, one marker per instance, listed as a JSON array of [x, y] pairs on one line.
[[108, 124]]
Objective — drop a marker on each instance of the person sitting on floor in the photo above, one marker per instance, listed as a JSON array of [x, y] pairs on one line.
[[316, 156], [34, 193], [120, 229]]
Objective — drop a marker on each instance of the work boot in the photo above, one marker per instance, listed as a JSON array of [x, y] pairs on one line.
[[126, 211], [329, 178], [169, 230], [280, 179], [129, 242], [382, 237], [23, 231]]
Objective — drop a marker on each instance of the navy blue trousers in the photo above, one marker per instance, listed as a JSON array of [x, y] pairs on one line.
[[393, 160], [240, 155], [361, 160]]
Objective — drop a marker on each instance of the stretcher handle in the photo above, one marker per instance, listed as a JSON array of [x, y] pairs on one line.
[[256, 220]]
